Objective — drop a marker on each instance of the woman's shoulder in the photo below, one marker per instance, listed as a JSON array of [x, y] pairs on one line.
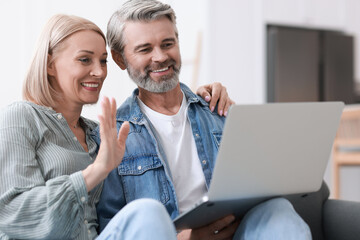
[[21, 111], [22, 107]]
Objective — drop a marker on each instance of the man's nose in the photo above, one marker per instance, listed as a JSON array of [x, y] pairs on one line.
[[159, 55]]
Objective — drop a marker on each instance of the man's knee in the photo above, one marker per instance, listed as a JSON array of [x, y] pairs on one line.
[[277, 204], [274, 219], [278, 211]]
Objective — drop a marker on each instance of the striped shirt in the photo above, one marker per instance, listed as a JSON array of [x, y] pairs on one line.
[[42, 190]]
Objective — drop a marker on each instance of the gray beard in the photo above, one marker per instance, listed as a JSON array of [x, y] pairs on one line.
[[144, 80]]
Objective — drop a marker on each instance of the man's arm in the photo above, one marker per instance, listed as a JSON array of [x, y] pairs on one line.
[[216, 93]]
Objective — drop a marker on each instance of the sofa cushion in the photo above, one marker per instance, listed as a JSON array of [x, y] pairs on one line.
[[341, 220]]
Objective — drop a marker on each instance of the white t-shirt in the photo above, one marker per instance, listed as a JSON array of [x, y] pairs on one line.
[[179, 146]]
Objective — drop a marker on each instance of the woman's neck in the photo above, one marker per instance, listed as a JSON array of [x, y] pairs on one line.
[[70, 112]]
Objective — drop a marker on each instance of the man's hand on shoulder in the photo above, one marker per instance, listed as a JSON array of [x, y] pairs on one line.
[[216, 93]]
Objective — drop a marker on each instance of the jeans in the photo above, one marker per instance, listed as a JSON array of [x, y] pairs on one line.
[[140, 219], [148, 219], [273, 219]]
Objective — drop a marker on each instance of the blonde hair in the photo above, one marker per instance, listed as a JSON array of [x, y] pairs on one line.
[[37, 85]]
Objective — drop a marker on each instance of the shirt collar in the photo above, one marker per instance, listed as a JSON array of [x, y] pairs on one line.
[[130, 109]]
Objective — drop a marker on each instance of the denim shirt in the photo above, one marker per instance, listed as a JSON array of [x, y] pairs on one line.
[[144, 172]]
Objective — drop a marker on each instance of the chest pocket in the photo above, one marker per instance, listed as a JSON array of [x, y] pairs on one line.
[[143, 176]]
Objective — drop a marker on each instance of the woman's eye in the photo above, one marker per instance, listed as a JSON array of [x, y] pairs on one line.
[[104, 61]]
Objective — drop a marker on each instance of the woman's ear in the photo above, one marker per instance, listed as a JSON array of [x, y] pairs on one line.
[[50, 66], [118, 59]]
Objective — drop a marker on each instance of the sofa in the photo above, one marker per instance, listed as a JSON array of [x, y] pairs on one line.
[[328, 219]]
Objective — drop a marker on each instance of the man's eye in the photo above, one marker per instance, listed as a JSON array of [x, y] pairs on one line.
[[144, 50], [167, 45], [84, 60]]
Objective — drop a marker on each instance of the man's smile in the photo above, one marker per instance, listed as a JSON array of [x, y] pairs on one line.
[[160, 70]]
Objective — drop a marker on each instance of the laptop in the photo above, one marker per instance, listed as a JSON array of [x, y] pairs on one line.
[[266, 151]]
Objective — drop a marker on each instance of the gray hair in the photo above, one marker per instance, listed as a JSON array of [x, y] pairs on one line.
[[136, 10]]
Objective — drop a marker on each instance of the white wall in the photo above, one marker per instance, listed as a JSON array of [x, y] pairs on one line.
[[237, 48]]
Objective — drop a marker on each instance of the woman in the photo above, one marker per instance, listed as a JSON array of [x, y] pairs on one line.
[[50, 167]]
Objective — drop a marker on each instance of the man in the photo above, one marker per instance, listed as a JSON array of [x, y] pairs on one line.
[[174, 137]]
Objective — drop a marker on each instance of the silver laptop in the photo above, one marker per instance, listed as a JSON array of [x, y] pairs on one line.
[[267, 151]]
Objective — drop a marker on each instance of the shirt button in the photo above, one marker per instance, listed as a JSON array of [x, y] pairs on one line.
[[82, 199], [197, 135], [86, 222], [204, 162], [139, 167], [75, 139], [59, 116], [89, 232]]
